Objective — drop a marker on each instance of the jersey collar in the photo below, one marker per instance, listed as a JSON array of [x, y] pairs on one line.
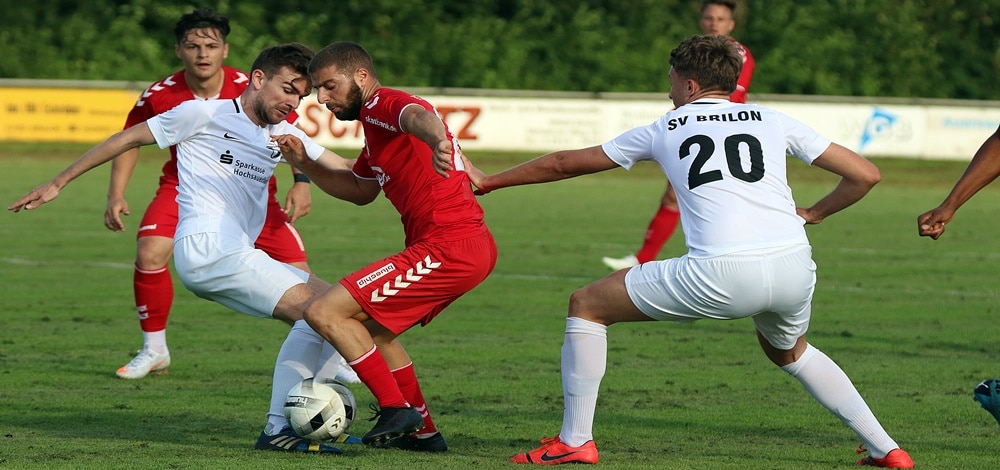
[[709, 101]]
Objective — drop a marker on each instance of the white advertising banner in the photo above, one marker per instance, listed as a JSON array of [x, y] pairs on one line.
[[542, 124]]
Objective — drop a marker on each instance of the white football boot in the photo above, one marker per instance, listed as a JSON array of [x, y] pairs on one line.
[[620, 263], [146, 361]]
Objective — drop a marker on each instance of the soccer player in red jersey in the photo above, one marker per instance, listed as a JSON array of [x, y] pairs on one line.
[[448, 251], [717, 20], [202, 47]]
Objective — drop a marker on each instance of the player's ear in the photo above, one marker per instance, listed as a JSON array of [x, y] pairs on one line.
[[257, 77], [361, 76], [225, 50]]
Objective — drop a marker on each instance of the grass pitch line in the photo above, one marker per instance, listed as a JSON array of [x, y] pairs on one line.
[[89, 264]]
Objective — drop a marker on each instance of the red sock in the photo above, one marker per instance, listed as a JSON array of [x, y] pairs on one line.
[[406, 377], [660, 229], [154, 295], [374, 372]]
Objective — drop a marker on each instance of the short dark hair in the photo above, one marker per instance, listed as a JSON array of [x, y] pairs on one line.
[[712, 61], [201, 18], [293, 55], [730, 4], [347, 56]]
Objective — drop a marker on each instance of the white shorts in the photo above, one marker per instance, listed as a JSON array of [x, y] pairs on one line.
[[774, 286], [233, 273]]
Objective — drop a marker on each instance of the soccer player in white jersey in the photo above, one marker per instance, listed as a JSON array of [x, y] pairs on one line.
[[225, 158], [745, 238]]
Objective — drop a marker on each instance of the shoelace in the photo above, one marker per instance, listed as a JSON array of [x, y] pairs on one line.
[[376, 411], [861, 449], [550, 440]]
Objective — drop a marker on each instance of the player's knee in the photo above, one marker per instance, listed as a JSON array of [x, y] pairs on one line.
[[150, 255], [581, 304]]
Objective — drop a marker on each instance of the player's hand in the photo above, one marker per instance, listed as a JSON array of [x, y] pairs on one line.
[[298, 202], [38, 196], [117, 207], [931, 223], [808, 216], [443, 155], [476, 176], [292, 149]]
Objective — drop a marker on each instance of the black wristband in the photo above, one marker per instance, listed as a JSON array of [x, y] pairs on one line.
[[300, 178]]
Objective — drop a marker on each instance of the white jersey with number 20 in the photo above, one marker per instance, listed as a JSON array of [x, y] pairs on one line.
[[726, 162]]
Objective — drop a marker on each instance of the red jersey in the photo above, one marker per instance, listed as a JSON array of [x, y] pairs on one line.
[[743, 83], [431, 207], [165, 94]]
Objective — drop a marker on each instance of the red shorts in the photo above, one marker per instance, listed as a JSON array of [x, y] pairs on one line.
[[415, 285], [278, 238]]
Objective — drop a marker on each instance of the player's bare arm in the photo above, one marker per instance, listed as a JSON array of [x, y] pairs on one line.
[[330, 172], [427, 126], [122, 168], [858, 176], [298, 200], [112, 147], [982, 170], [549, 167]]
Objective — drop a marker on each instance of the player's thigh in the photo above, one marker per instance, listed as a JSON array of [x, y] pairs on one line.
[[605, 301], [332, 304]]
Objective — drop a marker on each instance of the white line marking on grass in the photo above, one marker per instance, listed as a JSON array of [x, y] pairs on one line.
[[89, 264], [953, 254], [909, 290]]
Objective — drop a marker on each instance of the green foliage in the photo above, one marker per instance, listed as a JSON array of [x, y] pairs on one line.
[[911, 320], [904, 48]]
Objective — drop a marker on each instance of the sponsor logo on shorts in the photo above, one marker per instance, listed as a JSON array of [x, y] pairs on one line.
[[147, 227], [375, 275], [402, 281]]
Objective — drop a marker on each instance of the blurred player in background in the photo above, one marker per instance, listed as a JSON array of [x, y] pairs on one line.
[[748, 253], [201, 45], [448, 251], [716, 19]]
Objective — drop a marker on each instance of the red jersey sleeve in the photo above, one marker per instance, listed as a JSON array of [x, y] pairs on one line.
[[746, 75]]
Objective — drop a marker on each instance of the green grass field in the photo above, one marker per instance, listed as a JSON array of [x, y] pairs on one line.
[[912, 321]]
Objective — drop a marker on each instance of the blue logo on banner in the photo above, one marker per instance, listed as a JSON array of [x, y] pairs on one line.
[[879, 123]]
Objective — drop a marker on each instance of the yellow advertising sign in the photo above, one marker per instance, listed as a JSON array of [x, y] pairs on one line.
[[62, 114]]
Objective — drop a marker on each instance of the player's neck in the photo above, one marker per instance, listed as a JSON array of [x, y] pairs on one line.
[[205, 88], [369, 89]]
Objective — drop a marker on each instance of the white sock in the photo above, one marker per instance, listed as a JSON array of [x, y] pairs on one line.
[[332, 366], [296, 361], [584, 360], [155, 340], [828, 383]]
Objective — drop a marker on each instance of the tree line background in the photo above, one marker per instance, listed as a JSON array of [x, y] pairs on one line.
[[883, 48]]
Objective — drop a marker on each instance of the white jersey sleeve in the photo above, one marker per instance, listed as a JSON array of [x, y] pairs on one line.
[[726, 163], [179, 123], [313, 150]]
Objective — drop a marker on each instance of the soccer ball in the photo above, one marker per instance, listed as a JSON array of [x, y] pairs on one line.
[[350, 405], [317, 411]]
